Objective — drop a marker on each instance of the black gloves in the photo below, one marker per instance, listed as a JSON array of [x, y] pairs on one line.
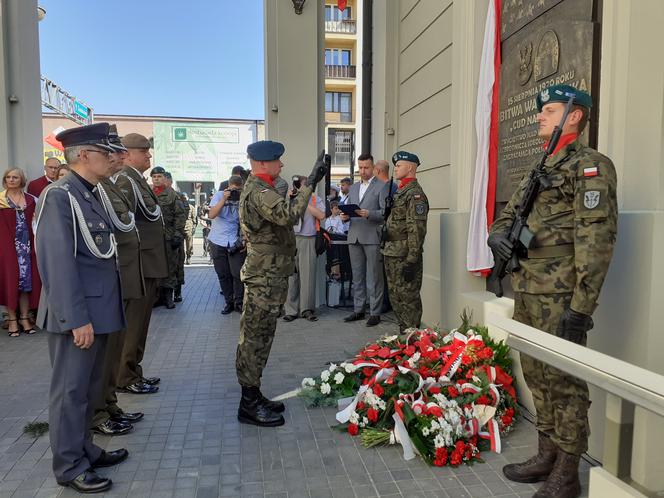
[[574, 325], [318, 173], [409, 272], [500, 245]]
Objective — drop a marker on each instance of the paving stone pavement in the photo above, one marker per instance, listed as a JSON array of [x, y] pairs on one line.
[[190, 443]]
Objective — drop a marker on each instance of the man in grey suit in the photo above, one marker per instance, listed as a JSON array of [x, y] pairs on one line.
[[364, 242], [81, 304]]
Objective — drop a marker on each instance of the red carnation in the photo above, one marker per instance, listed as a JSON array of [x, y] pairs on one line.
[[436, 411], [466, 360], [361, 405], [483, 400], [353, 429], [434, 390], [507, 420], [460, 446], [486, 353], [372, 415], [456, 458], [452, 392], [441, 457]]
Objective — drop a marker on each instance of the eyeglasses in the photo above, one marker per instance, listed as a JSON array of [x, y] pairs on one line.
[[105, 153]]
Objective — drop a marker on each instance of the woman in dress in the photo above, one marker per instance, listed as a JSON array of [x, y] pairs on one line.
[[20, 284]]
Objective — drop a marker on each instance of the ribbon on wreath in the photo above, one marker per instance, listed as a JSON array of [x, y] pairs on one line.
[[343, 416]]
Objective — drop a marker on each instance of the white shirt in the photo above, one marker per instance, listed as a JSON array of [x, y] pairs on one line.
[[364, 186], [334, 225]]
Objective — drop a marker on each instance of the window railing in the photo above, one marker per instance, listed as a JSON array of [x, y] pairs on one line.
[[346, 26], [341, 72]]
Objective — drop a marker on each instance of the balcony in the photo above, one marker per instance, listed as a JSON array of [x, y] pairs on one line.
[[346, 27], [340, 72]]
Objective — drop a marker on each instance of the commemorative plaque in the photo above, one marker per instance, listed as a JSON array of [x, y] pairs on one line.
[[543, 43]]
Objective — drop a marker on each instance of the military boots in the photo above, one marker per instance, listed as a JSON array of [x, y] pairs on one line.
[[168, 298], [178, 294], [563, 482], [275, 406], [254, 411], [536, 468]]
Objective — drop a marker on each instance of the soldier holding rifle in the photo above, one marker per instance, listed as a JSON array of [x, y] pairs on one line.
[[556, 237]]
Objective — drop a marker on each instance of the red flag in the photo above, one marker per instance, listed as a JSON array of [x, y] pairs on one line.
[[342, 4], [50, 138]]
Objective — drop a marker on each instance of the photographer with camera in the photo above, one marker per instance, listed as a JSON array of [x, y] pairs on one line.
[[227, 248]]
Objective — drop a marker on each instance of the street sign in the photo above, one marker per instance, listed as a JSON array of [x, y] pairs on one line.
[[81, 110], [55, 98]]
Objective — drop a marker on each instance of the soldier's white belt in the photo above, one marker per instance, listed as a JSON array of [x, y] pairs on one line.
[[551, 251]]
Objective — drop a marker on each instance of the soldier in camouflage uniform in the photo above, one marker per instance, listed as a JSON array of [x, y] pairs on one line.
[[557, 287], [184, 206], [266, 220], [403, 240], [189, 229], [174, 217]]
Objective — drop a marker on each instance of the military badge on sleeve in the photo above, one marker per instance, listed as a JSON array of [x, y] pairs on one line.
[[419, 209], [591, 199]]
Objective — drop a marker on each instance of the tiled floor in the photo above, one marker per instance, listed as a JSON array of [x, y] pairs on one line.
[[190, 443]]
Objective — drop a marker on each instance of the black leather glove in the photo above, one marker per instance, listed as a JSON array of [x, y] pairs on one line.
[[574, 325], [318, 173], [500, 245], [409, 272]]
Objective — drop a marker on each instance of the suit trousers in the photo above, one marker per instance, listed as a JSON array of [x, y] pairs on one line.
[[367, 264], [75, 385], [138, 313], [302, 283], [228, 266], [107, 402]]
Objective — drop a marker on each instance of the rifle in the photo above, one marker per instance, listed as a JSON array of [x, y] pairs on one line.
[[389, 202], [521, 237]]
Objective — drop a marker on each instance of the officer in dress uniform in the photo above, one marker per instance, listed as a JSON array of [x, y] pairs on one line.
[[574, 220], [109, 418], [404, 239], [145, 206], [81, 304], [266, 220]]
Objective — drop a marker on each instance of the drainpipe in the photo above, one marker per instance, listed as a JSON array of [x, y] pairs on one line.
[[367, 65]]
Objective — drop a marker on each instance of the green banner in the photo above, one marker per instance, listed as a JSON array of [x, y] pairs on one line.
[[202, 152]]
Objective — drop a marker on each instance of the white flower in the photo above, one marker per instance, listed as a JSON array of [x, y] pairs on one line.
[[338, 377], [349, 367], [333, 367], [435, 425], [325, 375], [439, 441], [365, 421], [325, 388], [390, 338], [413, 359], [308, 382], [425, 432], [354, 418]]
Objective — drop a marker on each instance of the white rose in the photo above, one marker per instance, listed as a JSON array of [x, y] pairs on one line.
[[354, 418], [325, 388], [349, 367], [333, 367], [338, 377], [308, 382], [325, 376]]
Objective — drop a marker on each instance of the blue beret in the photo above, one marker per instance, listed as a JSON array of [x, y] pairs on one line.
[[402, 155], [94, 134], [265, 150], [158, 170], [562, 93]]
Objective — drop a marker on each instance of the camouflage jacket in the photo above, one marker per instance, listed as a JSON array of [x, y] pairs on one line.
[[192, 219], [580, 213], [407, 224], [173, 212], [266, 221]]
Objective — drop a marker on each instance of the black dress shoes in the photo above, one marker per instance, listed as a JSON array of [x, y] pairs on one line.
[[373, 321], [110, 458], [88, 482], [127, 417], [139, 388], [228, 309], [113, 428], [152, 381], [353, 317]]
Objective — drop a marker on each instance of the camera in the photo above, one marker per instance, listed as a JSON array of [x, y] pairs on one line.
[[234, 196], [297, 184]]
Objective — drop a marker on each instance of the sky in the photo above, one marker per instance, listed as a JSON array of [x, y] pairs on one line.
[[201, 58]]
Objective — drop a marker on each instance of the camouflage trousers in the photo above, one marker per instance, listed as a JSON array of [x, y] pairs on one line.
[[404, 296], [263, 299], [561, 400], [172, 259]]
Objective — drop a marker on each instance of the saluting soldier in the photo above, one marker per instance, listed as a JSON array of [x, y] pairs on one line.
[[174, 217], [145, 206], [109, 419], [81, 304], [404, 239], [574, 220], [266, 220]]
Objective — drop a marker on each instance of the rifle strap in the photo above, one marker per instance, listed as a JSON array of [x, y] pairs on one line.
[[551, 251]]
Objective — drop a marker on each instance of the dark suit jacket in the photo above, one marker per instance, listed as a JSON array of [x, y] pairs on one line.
[[365, 230], [153, 248], [77, 287], [37, 186]]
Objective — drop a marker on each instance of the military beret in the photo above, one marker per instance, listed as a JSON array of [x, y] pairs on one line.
[[94, 134], [114, 139], [135, 141], [402, 155], [265, 150], [562, 93], [158, 170]]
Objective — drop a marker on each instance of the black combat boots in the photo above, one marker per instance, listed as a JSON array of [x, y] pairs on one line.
[[563, 482], [536, 468], [168, 298], [178, 294], [252, 410], [275, 406]]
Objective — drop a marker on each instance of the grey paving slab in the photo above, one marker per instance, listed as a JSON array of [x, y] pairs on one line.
[[190, 443]]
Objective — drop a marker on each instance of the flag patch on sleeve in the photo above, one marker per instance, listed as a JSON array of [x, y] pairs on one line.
[[590, 172]]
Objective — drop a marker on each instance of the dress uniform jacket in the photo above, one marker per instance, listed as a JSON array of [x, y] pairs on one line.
[[153, 252], [78, 287]]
